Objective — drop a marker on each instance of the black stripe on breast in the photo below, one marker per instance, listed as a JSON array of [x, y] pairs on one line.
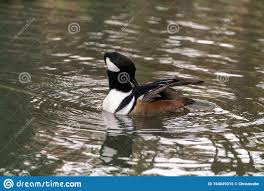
[[125, 102]]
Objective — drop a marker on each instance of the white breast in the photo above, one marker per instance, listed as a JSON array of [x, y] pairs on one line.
[[114, 99]]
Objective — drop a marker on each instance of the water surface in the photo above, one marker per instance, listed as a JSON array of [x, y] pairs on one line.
[[54, 124]]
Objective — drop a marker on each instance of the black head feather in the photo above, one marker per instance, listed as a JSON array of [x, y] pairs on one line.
[[126, 72]]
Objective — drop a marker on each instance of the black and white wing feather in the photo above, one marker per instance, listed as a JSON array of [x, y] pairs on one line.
[[161, 89]]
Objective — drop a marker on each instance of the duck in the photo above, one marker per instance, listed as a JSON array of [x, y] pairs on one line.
[[127, 97]]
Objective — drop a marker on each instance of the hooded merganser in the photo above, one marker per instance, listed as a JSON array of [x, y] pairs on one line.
[[126, 96]]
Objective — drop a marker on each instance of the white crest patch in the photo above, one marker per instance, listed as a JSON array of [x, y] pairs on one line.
[[111, 66]]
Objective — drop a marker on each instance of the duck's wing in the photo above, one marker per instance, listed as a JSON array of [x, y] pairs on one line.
[[160, 90]]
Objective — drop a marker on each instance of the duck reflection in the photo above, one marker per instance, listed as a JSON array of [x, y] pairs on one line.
[[118, 142], [123, 136]]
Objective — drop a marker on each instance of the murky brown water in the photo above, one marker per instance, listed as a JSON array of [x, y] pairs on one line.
[[54, 125]]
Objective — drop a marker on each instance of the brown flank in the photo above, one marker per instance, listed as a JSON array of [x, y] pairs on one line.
[[162, 106]]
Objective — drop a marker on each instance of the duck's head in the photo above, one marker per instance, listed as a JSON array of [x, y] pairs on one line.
[[120, 70]]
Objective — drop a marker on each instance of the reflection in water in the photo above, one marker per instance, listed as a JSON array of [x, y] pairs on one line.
[[119, 140], [219, 42], [122, 137]]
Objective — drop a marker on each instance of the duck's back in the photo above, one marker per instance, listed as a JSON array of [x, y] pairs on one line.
[[158, 105], [163, 99]]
